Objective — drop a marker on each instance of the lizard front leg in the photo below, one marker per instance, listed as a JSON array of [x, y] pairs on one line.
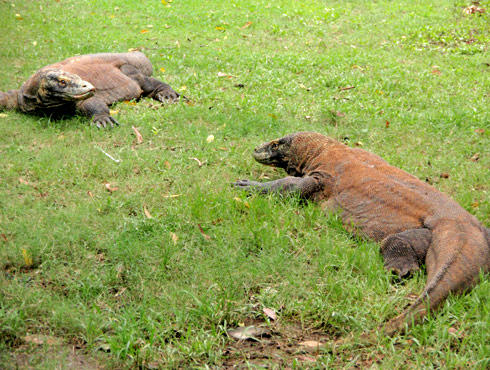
[[306, 186], [151, 87], [96, 108]]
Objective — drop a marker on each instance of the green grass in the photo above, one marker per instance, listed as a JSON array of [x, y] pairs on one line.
[[123, 290]]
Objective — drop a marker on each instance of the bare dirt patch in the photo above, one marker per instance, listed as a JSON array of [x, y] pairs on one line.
[[279, 345]]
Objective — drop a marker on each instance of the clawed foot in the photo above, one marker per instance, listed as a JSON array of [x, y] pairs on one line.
[[401, 267], [246, 185], [104, 121], [167, 95]]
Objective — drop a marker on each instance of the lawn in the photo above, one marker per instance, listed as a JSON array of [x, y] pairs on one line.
[[149, 261]]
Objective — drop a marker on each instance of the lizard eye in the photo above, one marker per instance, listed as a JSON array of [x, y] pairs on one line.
[[274, 146], [62, 83]]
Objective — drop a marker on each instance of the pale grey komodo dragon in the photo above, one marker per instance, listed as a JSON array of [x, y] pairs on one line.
[[414, 222], [88, 84]]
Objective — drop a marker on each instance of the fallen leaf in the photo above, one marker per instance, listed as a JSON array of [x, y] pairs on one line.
[[129, 102], [310, 344], [270, 313], [167, 165], [18, 17], [475, 157], [174, 237], [42, 339], [480, 131], [139, 137], [307, 117], [210, 138], [27, 257], [358, 143], [147, 213], [346, 88], [435, 71], [199, 163], [472, 9], [444, 175], [89, 193], [144, 31], [113, 112], [22, 181], [164, 2], [172, 195], [245, 203], [110, 188], [219, 28], [248, 24], [4, 237], [207, 237], [134, 49], [162, 69], [306, 359], [247, 333], [3, 115], [387, 124], [475, 204], [223, 74]]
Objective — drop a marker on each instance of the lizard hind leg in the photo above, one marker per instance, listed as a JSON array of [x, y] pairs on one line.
[[404, 252]]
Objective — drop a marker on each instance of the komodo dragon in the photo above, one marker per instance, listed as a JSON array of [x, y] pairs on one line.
[[413, 221], [88, 84]]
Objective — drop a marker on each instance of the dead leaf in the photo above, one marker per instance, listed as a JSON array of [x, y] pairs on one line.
[[199, 163], [172, 195], [223, 74], [248, 24], [475, 157], [147, 213], [475, 204], [480, 131], [27, 257], [167, 164], [162, 69], [22, 181], [174, 237], [347, 88], [3, 115], [113, 112], [444, 175], [219, 28], [245, 203], [387, 124], [4, 237], [472, 9], [120, 292], [89, 193], [18, 17], [110, 188], [129, 102], [435, 71], [311, 345], [270, 313], [207, 237], [139, 137], [134, 49], [144, 31], [248, 333], [42, 339], [210, 138]]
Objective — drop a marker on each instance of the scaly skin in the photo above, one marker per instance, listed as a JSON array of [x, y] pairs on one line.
[[414, 222], [88, 84]]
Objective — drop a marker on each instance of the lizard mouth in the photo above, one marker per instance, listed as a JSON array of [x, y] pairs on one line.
[[83, 95]]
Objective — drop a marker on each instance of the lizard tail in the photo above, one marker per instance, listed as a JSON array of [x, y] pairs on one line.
[[458, 252], [8, 100]]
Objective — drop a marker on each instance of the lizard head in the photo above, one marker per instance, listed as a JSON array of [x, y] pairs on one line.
[[55, 84], [291, 152]]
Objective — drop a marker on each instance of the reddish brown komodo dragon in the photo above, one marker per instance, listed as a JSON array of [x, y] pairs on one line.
[[414, 222], [88, 84]]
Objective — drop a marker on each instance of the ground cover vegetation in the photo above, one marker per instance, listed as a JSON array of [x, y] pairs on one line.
[[149, 261]]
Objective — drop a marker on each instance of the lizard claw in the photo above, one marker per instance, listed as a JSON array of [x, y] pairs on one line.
[[104, 121]]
